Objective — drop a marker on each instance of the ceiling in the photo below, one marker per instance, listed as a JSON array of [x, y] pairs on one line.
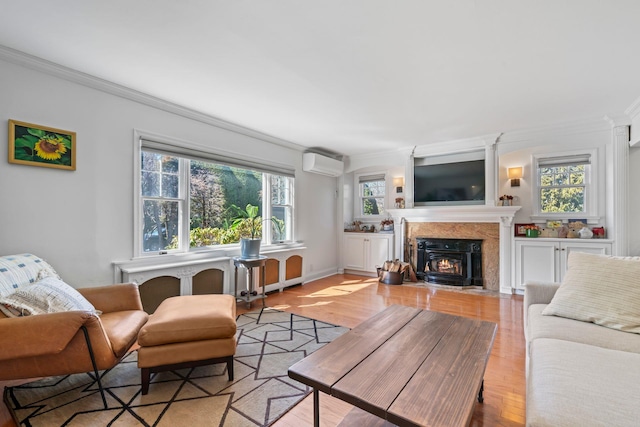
[[353, 76]]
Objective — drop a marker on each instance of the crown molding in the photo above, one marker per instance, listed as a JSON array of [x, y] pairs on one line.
[[574, 127], [377, 158], [553, 133], [51, 68], [617, 120], [633, 109], [477, 143], [378, 154]]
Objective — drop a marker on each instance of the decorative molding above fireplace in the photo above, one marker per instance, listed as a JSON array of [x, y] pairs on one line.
[[468, 213]]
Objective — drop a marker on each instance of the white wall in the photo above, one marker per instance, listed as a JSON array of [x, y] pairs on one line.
[[316, 206], [517, 149], [520, 153], [81, 221], [351, 207]]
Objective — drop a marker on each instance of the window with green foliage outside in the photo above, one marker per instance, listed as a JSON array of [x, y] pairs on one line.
[[281, 207], [562, 188], [214, 202], [372, 194]]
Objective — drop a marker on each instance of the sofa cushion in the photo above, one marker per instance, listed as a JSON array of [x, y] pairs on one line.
[[539, 326], [122, 328], [20, 270], [49, 295], [600, 289], [575, 384]]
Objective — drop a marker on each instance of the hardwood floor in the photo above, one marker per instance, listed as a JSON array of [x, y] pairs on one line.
[[348, 300]]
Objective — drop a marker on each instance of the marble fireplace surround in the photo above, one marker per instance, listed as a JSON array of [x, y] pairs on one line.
[[492, 224]]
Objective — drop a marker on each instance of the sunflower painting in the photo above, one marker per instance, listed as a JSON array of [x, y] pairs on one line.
[[37, 145]]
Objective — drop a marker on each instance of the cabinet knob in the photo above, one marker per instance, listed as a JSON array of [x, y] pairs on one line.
[[563, 249], [557, 249]]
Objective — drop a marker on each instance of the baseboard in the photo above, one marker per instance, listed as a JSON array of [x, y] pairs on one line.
[[320, 274], [360, 273]]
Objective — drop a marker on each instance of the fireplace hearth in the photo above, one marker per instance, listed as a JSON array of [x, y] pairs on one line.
[[455, 262]]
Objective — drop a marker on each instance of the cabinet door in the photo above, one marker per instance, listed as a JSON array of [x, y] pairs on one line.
[[592, 247], [535, 261], [354, 252], [379, 252]]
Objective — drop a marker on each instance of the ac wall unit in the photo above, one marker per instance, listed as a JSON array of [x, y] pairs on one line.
[[323, 165]]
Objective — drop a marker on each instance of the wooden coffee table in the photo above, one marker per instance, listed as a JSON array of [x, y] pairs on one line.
[[408, 366]]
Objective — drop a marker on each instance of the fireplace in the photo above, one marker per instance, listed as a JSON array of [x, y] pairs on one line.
[[449, 261]]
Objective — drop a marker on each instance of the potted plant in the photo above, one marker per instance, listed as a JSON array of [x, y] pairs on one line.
[[249, 226], [279, 229], [531, 230], [386, 224], [506, 200]]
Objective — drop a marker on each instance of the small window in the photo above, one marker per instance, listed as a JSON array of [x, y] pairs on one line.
[[563, 184], [372, 194]]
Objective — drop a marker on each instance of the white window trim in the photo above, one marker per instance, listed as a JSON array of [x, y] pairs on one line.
[[358, 199], [592, 194], [267, 233], [183, 206], [184, 247], [137, 183]]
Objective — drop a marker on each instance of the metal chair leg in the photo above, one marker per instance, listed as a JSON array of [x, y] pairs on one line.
[[95, 366]]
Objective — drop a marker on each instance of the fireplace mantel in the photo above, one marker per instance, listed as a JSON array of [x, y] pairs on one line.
[[465, 214]]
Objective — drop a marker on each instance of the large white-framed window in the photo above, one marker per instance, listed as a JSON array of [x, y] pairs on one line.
[[372, 190], [189, 198], [566, 186]]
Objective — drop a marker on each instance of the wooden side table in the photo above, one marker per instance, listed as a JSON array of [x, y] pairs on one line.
[[248, 264]]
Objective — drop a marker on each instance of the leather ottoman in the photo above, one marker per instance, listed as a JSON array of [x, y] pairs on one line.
[[188, 331]]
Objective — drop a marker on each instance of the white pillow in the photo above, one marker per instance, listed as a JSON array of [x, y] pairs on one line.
[[21, 270], [600, 289], [49, 295]]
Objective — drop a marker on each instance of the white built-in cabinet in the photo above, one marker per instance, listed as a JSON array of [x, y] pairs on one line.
[[545, 260], [363, 252]]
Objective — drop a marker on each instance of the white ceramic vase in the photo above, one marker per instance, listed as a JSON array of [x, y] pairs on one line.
[[585, 233]]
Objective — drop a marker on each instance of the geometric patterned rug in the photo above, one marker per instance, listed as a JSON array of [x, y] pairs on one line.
[[269, 341]]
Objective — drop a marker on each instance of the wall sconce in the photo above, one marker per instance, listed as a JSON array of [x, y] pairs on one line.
[[398, 183], [514, 175]]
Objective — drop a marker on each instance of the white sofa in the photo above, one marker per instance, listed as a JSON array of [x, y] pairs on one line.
[[579, 372]]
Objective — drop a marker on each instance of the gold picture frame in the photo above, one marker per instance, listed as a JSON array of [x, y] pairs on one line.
[[36, 145]]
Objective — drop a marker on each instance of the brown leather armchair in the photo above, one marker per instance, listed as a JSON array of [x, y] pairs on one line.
[[73, 341]]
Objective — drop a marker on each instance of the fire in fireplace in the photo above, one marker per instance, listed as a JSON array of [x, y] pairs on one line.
[[449, 261]]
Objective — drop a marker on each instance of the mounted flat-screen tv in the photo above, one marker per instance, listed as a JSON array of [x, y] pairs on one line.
[[453, 183]]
